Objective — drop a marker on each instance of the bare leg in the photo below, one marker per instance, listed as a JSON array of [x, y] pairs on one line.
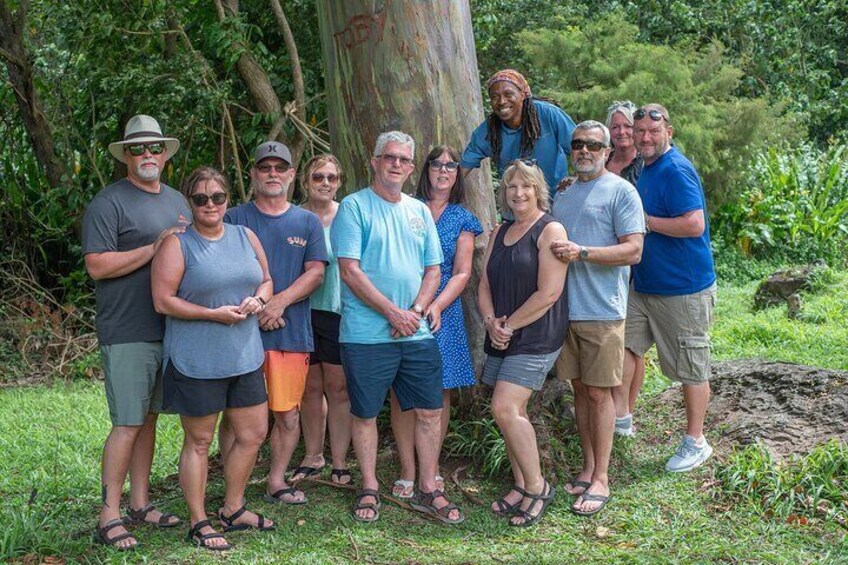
[[335, 388], [601, 423], [225, 437], [621, 393], [313, 419], [284, 439], [249, 425], [428, 429], [117, 453], [636, 383], [194, 467], [581, 411], [696, 398], [403, 428], [364, 435]]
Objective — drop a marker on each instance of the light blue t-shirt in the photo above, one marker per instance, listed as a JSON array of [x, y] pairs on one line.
[[596, 214], [393, 242], [327, 296]]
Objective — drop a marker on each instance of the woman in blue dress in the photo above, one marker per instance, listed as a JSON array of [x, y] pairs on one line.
[[440, 187]]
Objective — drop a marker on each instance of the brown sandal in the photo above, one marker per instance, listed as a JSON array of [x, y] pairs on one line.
[[423, 502], [106, 540], [139, 517]]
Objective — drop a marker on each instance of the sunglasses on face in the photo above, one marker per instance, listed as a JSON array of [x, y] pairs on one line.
[[137, 149], [321, 177], [405, 161], [217, 198], [655, 115], [578, 144], [266, 168], [449, 166]]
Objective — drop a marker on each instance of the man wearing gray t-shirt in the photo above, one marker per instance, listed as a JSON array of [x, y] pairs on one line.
[[122, 230], [602, 214]]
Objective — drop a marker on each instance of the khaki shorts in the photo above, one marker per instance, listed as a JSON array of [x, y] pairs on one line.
[[593, 352], [133, 381], [679, 325]]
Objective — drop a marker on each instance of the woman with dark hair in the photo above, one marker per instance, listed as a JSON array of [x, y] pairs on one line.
[[521, 126], [440, 187], [210, 281], [325, 401]]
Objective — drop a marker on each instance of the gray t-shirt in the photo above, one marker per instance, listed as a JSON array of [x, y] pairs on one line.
[[596, 214], [122, 217]]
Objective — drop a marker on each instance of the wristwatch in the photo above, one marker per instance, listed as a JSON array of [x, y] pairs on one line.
[[584, 253], [417, 309]]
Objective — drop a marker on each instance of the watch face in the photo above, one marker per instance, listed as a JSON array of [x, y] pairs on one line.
[[584, 253]]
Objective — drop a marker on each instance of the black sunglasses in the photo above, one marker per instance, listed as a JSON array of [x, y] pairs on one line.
[[526, 162], [591, 145], [280, 168], [137, 149], [449, 166], [201, 199], [320, 177], [655, 115]]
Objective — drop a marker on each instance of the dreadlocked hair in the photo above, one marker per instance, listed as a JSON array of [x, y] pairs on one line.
[[531, 130]]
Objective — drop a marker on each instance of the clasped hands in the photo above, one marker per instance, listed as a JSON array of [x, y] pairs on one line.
[[499, 332]]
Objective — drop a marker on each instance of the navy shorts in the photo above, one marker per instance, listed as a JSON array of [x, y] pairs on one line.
[[325, 337], [192, 397], [413, 369]]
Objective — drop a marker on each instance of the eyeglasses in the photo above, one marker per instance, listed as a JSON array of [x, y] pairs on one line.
[[137, 149], [266, 168], [217, 199], [389, 158], [578, 144], [525, 162], [655, 115], [449, 166], [321, 177]]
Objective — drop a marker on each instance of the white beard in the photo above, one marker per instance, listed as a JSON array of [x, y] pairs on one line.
[[147, 173]]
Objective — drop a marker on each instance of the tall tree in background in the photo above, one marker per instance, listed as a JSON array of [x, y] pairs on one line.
[[409, 66]]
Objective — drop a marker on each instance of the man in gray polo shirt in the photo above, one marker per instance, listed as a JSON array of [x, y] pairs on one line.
[[603, 216], [122, 230]]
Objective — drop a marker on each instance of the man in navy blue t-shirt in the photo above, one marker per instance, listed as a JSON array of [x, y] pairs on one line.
[[674, 286]]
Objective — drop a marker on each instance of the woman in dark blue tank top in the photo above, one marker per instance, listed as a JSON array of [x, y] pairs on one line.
[[523, 303], [210, 282]]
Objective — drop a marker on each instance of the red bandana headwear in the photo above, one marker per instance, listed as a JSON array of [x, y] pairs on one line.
[[514, 78]]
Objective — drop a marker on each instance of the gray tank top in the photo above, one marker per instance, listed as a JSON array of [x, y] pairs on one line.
[[217, 273]]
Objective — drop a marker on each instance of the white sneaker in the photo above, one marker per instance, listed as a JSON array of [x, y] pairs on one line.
[[624, 426], [689, 455]]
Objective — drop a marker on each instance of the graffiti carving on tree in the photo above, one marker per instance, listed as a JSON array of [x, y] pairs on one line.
[[362, 28]]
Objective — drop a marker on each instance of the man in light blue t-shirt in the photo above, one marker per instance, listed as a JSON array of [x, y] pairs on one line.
[[389, 256], [603, 216]]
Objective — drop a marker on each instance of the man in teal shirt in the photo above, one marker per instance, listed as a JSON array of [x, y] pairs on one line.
[[389, 256]]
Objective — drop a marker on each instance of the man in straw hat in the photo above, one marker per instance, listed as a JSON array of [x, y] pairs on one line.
[[122, 229]]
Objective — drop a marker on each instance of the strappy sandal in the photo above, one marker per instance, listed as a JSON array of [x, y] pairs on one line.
[[506, 509], [401, 487], [339, 474], [373, 506], [106, 540], [277, 496], [140, 517], [231, 526], [423, 502], [533, 519], [200, 540]]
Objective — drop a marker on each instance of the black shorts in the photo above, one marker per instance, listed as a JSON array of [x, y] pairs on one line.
[[325, 333], [200, 397]]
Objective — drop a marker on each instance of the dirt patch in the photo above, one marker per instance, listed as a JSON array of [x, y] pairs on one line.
[[790, 408]]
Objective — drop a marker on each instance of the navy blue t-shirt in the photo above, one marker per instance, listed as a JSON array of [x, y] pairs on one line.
[[673, 266]]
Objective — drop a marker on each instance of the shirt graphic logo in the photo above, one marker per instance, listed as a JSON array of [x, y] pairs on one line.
[[417, 226], [298, 241]]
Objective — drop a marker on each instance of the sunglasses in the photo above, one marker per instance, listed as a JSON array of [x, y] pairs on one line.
[[406, 161], [449, 166], [655, 115], [525, 162], [137, 149], [578, 144], [217, 198], [321, 177], [266, 168]]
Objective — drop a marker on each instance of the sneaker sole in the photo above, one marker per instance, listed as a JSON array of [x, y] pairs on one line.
[[708, 451]]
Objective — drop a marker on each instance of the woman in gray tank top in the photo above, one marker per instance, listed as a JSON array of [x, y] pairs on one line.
[[209, 282], [523, 303]]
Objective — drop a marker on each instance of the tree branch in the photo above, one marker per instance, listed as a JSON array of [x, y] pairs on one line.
[[299, 109]]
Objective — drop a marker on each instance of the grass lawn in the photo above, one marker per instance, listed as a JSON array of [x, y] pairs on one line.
[[51, 437]]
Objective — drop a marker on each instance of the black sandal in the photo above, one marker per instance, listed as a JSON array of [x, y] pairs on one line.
[[506, 509], [106, 540], [138, 517], [200, 540], [373, 506], [423, 502], [339, 474], [231, 526], [531, 519]]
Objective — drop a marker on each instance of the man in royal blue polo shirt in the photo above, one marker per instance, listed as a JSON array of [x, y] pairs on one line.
[[674, 286]]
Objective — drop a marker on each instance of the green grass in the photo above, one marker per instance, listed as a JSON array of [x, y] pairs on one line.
[[51, 437]]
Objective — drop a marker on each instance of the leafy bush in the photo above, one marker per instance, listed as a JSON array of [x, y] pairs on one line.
[[794, 205], [815, 485], [480, 440]]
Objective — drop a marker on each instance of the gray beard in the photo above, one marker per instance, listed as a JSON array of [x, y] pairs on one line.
[[147, 174]]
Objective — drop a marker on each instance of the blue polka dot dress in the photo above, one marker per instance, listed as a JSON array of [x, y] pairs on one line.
[[458, 369]]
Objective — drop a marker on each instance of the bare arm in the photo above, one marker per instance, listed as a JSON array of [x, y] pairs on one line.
[[461, 271], [628, 251], [690, 224], [550, 281], [114, 264], [252, 304], [403, 320]]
